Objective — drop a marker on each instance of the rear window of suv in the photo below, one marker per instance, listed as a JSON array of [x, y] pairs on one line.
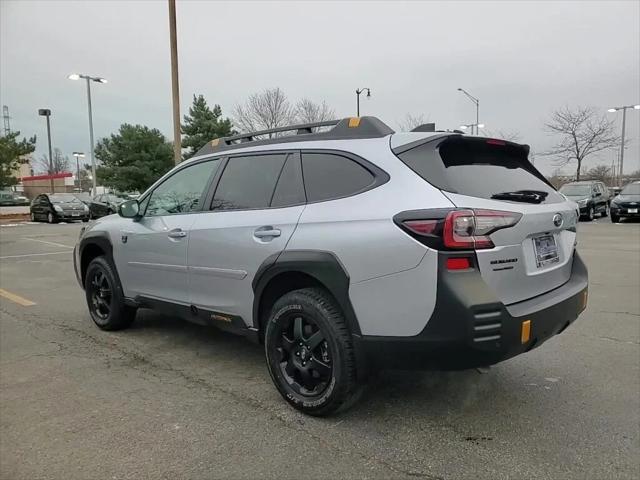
[[480, 168]]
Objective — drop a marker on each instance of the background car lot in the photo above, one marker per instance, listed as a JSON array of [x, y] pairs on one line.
[[198, 403]]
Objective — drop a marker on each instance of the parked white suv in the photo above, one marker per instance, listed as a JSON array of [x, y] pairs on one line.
[[346, 250]]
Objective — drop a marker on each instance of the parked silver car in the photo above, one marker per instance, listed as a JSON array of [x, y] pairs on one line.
[[347, 251]]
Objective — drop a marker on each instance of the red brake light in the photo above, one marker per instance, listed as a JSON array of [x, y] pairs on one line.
[[493, 141], [460, 263]]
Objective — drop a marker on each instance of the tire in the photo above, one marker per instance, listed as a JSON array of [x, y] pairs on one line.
[[105, 298], [592, 214], [85, 220], [51, 218], [309, 352], [605, 212], [33, 217], [615, 218]]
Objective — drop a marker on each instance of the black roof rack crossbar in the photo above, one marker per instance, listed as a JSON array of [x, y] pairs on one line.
[[347, 128]]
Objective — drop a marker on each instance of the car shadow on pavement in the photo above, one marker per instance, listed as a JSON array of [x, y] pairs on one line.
[[387, 392]]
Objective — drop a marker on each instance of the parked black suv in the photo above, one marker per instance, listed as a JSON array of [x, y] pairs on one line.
[[591, 196], [627, 204]]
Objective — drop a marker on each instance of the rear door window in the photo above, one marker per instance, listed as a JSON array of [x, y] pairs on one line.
[[248, 182], [328, 176], [481, 168]]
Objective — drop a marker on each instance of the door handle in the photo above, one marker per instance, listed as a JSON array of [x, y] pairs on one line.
[[177, 233], [271, 232]]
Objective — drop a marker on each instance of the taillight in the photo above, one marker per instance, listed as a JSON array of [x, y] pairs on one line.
[[471, 228], [458, 229]]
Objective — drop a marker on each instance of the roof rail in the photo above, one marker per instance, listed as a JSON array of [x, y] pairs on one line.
[[347, 128]]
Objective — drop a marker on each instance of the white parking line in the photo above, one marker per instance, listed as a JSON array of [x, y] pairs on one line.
[[55, 244], [33, 255]]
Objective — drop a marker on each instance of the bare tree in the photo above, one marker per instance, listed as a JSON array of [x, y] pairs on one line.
[[262, 111], [60, 163], [599, 172], [307, 111], [582, 132], [409, 122], [508, 135]]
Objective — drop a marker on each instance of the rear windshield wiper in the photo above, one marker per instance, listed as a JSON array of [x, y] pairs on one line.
[[525, 196]]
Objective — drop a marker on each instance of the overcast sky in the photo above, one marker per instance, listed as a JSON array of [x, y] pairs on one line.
[[521, 59]]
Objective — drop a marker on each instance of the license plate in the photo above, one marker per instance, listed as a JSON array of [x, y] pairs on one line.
[[74, 214], [546, 250], [633, 210]]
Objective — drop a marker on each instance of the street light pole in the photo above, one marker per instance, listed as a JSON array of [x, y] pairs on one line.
[[471, 125], [78, 155], [89, 79], [624, 119], [45, 112], [91, 154], [477, 103], [358, 92]]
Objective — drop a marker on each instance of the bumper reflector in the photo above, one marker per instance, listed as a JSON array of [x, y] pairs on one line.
[[585, 296], [526, 331]]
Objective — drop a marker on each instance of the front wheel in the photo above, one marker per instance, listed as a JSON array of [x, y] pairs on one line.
[[33, 217], [310, 352], [605, 212], [105, 298], [592, 214], [51, 218], [615, 218]]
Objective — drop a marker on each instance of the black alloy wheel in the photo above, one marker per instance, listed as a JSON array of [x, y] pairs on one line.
[[105, 298], [310, 352], [101, 295], [305, 356]]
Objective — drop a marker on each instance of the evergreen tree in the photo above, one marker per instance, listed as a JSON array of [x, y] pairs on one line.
[[133, 158], [202, 125], [10, 152]]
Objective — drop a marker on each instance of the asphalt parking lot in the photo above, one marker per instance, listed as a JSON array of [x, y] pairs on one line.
[[167, 399]]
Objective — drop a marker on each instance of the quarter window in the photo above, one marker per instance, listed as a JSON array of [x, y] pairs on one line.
[[248, 182], [328, 176], [290, 189], [183, 191]]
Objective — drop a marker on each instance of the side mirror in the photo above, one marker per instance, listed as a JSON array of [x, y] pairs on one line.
[[129, 209]]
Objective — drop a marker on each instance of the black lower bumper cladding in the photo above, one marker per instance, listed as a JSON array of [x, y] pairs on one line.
[[470, 327]]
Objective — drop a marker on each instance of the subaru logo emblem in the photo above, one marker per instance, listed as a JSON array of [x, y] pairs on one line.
[[557, 220]]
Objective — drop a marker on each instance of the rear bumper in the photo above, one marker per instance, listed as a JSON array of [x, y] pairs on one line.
[[470, 327]]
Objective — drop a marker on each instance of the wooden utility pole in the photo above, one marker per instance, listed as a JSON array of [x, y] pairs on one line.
[[175, 88]]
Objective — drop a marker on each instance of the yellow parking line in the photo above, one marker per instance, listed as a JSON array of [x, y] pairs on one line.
[[16, 298]]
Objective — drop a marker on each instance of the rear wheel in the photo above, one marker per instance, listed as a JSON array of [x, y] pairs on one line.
[[105, 298], [310, 352]]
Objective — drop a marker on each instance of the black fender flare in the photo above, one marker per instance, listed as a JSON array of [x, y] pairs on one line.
[[102, 241], [323, 266]]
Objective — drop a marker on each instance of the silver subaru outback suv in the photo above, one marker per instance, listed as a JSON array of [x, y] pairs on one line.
[[344, 248]]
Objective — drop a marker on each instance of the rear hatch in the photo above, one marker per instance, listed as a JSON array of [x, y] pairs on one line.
[[527, 259]]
